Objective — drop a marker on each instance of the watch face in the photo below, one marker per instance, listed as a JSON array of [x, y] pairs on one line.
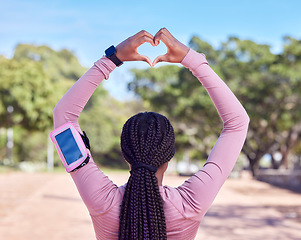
[[110, 51]]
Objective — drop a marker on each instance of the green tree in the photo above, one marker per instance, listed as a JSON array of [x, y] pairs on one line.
[[176, 93], [102, 120], [32, 82], [269, 89], [25, 86], [58, 65], [267, 84]]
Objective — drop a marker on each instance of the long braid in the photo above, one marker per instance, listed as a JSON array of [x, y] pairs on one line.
[[147, 138]]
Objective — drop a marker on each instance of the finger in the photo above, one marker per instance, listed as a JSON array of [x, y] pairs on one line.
[[161, 36], [144, 39], [162, 58], [167, 33], [143, 33], [162, 31], [145, 59], [156, 37]]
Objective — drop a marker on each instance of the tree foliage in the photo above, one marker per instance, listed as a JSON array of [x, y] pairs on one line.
[[32, 82], [267, 84], [174, 92], [26, 88], [102, 120]]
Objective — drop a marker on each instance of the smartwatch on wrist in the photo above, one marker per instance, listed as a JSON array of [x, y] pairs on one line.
[[111, 54]]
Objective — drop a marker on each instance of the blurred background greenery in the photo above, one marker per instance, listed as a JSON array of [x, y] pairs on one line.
[[268, 85], [253, 45]]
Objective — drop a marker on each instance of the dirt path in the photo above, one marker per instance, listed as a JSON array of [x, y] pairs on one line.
[[46, 206]]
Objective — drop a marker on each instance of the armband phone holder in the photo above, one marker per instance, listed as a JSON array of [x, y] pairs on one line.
[[70, 146]]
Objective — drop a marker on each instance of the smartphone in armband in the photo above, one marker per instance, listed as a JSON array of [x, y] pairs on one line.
[[70, 147]]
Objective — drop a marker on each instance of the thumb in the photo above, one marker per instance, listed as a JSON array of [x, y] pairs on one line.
[[162, 58], [145, 59]]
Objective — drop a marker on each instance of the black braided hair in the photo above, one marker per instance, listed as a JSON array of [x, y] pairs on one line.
[[146, 138]]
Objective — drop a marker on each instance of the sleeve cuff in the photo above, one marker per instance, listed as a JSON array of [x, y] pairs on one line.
[[193, 59], [105, 65]]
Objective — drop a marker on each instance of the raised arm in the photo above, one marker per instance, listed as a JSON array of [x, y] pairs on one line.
[[200, 190], [91, 183], [73, 102], [205, 184]]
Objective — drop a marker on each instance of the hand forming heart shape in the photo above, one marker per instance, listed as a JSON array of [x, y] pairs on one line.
[[176, 51], [152, 52]]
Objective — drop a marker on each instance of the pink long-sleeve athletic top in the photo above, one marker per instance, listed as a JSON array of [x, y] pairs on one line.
[[184, 206]]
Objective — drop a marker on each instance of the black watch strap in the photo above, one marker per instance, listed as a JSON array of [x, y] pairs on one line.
[[111, 54], [86, 140], [87, 143], [82, 164], [115, 60]]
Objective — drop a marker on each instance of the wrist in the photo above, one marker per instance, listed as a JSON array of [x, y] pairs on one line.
[[193, 59], [118, 55], [111, 54], [184, 52]]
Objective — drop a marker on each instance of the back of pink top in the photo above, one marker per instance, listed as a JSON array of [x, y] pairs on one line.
[[184, 206]]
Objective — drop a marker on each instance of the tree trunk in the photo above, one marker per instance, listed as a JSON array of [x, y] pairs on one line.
[[284, 153], [254, 163], [275, 165], [290, 142]]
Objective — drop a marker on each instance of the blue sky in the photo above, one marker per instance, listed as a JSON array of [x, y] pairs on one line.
[[89, 27]]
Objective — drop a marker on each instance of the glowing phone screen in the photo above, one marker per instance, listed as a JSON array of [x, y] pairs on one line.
[[68, 146]]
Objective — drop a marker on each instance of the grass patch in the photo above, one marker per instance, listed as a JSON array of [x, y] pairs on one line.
[[8, 169]]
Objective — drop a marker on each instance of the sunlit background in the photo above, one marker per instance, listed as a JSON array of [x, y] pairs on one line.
[[88, 28], [255, 46]]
